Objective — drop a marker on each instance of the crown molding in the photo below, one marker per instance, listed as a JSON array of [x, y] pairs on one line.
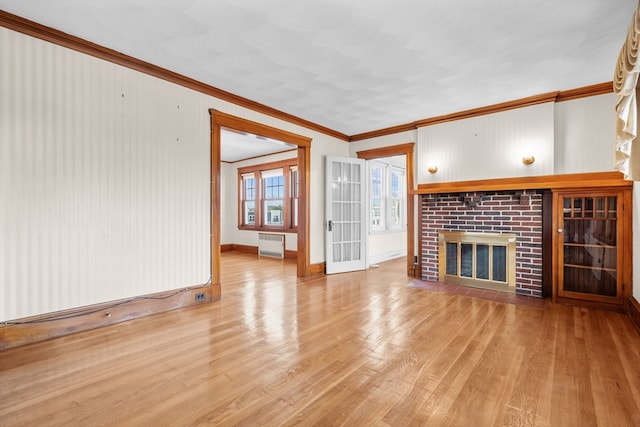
[[42, 32], [586, 91], [560, 96], [490, 109]]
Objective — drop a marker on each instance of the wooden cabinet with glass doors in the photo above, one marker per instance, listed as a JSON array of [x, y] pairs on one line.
[[592, 247]]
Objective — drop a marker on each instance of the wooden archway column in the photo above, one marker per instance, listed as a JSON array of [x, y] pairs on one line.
[[221, 120], [398, 150]]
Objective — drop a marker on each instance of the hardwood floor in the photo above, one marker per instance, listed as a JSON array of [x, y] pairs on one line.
[[358, 349]]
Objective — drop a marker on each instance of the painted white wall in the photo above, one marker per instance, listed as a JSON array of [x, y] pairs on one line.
[[489, 146], [385, 246], [228, 202], [585, 134], [105, 180]]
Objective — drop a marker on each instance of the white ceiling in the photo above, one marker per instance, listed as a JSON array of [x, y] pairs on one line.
[[236, 146], [356, 66]]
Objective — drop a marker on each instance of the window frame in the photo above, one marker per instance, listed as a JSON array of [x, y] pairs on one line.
[[287, 166]]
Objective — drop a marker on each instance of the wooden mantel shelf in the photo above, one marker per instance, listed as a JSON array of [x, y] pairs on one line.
[[551, 182]]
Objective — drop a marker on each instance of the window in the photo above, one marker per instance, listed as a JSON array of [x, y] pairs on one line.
[[268, 196], [377, 196], [295, 189], [387, 197], [248, 199], [396, 199], [272, 197]]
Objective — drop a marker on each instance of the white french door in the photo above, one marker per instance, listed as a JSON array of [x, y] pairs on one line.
[[345, 214]]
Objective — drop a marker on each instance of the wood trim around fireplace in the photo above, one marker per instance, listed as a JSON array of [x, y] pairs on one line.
[[577, 180]]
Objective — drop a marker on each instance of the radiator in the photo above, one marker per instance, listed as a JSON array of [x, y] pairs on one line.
[[271, 245]]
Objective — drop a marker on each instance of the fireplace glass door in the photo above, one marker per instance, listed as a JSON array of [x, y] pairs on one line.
[[485, 260], [589, 245]]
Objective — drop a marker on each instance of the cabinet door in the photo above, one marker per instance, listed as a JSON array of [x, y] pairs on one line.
[[589, 247]]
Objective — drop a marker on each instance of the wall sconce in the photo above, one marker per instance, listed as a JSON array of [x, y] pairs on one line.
[[432, 168], [528, 160]]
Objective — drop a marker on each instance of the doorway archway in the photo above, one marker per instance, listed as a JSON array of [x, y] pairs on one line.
[[220, 120], [395, 150]]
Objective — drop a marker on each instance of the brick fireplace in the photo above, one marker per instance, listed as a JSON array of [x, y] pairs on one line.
[[518, 212]]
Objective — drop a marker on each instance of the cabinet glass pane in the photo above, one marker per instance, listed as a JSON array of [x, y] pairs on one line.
[[612, 207], [590, 281], [600, 207], [577, 207], [588, 207], [566, 207], [590, 232], [597, 257], [590, 245]]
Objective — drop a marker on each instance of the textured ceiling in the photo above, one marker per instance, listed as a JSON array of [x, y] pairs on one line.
[[356, 66]]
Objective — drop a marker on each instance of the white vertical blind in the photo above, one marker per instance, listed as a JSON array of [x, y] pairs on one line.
[[104, 181]]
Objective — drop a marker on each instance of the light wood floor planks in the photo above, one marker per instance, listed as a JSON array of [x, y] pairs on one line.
[[358, 349]]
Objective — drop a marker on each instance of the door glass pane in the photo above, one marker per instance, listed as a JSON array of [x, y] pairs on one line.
[[337, 252], [337, 232]]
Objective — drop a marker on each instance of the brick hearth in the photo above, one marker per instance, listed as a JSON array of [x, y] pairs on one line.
[[518, 212]]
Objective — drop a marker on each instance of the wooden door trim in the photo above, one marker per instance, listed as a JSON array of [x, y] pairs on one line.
[[220, 120], [397, 150]]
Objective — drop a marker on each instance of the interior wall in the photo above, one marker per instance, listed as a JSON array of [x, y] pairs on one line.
[[585, 134], [105, 180], [489, 146]]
